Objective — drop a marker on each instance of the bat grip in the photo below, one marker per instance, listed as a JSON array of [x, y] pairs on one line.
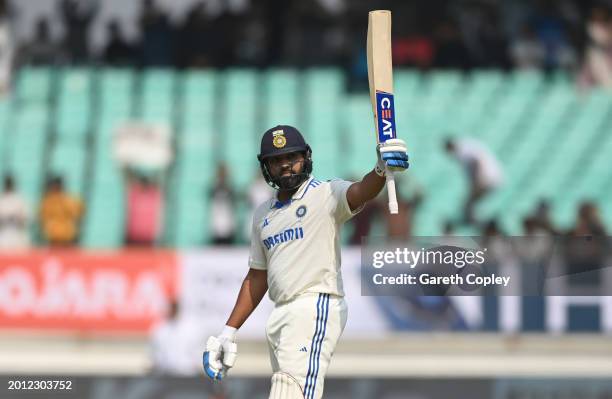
[[393, 209]]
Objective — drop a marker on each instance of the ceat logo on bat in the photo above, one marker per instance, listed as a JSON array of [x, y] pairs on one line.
[[385, 110]]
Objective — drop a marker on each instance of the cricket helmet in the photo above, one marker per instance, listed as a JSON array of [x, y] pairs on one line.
[[279, 140]]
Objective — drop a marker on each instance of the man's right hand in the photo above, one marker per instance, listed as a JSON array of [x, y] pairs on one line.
[[220, 354]]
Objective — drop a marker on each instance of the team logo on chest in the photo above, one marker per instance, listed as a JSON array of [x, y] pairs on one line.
[[301, 211]]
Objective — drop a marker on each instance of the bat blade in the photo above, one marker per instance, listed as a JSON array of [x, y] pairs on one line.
[[380, 78]]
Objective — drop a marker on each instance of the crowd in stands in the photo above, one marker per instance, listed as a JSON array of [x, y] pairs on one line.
[[58, 218], [547, 35], [464, 34]]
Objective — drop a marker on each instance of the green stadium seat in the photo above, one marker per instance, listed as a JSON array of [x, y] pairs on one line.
[[34, 84], [356, 153], [157, 96], [116, 99], [322, 127], [26, 144], [193, 213], [104, 222], [196, 161], [240, 132], [68, 161], [74, 103], [199, 101], [280, 96], [547, 136]]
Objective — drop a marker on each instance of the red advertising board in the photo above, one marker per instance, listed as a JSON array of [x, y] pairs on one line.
[[86, 292]]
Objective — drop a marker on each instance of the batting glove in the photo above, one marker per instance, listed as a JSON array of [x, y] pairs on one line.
[[392, 154], [220, 354]]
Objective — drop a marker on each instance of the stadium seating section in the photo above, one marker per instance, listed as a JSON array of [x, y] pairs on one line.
[[553, 141]]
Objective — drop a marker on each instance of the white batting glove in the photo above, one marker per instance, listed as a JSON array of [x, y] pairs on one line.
[[220, 354], [392, 154]]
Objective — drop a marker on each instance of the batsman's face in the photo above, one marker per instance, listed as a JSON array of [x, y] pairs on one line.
[[286, 165]]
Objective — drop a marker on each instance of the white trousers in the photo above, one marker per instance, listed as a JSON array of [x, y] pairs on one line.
[[302, 335]]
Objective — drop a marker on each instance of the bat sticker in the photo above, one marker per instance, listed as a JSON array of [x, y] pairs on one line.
[[385, 112]]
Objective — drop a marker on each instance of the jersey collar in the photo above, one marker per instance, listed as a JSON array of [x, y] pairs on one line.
[[296, 196]]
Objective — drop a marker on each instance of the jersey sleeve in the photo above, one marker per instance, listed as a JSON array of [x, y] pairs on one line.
[[257, 258], [340, 206]]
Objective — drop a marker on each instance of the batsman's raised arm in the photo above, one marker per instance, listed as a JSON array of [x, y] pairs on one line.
[[392, 156]]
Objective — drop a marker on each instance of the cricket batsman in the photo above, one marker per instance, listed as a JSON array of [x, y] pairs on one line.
[[295, 256]]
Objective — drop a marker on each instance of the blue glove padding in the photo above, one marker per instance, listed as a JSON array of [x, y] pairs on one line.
[[219, 356], [396, 159], [212, 373], [393, 154]]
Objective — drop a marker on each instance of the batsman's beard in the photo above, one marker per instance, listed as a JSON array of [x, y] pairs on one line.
[[291, 182]]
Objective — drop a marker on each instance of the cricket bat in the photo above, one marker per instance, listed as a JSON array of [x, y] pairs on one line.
[[380, 77]]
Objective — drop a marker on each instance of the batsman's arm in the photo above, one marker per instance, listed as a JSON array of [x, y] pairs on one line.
[[253, 289], [363, 191]]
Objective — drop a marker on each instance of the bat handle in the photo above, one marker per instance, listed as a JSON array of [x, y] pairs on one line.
[[393, 209]]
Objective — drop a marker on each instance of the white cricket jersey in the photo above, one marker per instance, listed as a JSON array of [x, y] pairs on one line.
[[298, 242]]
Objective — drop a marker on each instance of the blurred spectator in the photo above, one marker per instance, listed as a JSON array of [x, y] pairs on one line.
[[277, 24], [437, 34], [597, 68], [449, 229], [499, 248], [222, 210], [482, 168], [42, 49], [174, 343], [400, 225], [314, 28], [362, 222], [541, 218], [197, 38], [587, 246], [527, 51], [409, 198], [7, 48], [259, 191], [226, 32], [60, 214], [144, 147], [14, 218], [157, 36], [491, 229], [551, 31], [118, 51], [77, 17], [145, 210], [530, 226], [588, 221], [356, 55], [450, 51], [536, 245], [251, 48], [413, 51], [491, 45]]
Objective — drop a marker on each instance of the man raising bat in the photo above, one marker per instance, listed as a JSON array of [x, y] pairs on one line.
[[295, 257]]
